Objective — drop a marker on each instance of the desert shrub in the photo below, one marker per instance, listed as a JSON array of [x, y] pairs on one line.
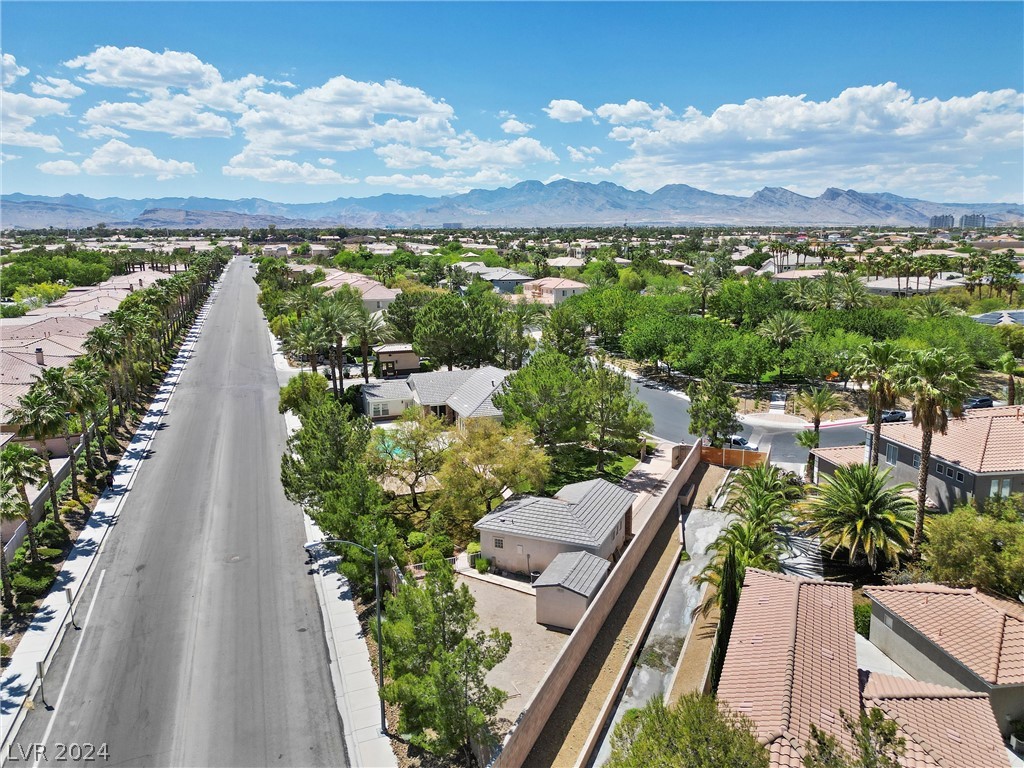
[[51, 534], [473, 548], [482, 564], [33, 580], [862, 619]]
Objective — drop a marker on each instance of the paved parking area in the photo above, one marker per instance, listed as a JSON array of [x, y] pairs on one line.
[[534, 648]]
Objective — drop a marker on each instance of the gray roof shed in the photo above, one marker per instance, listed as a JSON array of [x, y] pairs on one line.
[[579, 572]]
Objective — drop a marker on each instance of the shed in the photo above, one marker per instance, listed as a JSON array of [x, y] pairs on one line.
[[567, 586]]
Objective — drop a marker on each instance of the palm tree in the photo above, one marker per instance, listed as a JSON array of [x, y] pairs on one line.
[[809, 439], [89, 379], [306, 338], [876, 365], [783, 328], [41, 418], [515, 324], [1007, 364], [338, 319], [854, 511], [744, 544], [22, 466], [303, 299], [937, 381], [56, 383], [370, 330], [932, 306], [852, 293], [704, 284], [801, 292], [10, 509]]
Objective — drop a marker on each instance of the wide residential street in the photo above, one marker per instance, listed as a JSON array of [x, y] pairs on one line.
[[204, 644], [672, 421]]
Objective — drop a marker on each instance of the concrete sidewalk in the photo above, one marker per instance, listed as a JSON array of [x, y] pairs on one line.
[[795, 423], [43, 636], [355, 687]]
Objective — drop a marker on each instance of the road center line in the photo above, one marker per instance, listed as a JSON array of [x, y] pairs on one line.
[[71, 667]]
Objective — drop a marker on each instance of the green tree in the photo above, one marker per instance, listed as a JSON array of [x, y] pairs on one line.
[[876, 365], [440, 332], [516, 324], [548, 396], [410, 454], [403, 313], [713, 408], [21, 466], [783, 328], [369, 330], [696, 732], [306, 339], [1007, 364], [40, 416], [57, 382], [303, 392], [985, 549], [615, 416], [437, 662], [818, 402], [566, 331], [855, 511], [876, 740], [937, 382]]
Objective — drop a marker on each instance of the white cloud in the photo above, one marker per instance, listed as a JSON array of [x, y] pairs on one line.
[[60, 168], [19, 112], [56, 87], [115, 158], [566, 111], [868, 137], [178, 116], [263, 167], [326, 161], [583, 154], [455, 182], [101, 132], [466, 152], [6, 157], [10, 69], [145, 70], [516, 127], [632, 111]]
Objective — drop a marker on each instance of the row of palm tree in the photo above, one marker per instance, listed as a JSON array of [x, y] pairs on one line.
[[829, 291]]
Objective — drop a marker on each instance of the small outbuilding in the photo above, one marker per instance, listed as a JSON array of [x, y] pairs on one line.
[[397, 360], [567, 587]]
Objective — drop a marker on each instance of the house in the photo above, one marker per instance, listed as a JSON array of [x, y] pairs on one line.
[[397, 360], [793, 660], [375, 295], [527, 533], [452, 395], [553, 290], [566, 262], [504, 280], [277, 250], [954, 637], [567, 587], [980, 455]]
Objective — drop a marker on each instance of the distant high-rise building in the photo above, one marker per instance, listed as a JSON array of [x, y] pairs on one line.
[[972, 221], [941, 222]]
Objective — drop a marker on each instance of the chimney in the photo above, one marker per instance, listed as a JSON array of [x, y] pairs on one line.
[[39, 357]]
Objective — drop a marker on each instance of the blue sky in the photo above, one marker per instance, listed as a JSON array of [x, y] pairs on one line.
[[303, 102]]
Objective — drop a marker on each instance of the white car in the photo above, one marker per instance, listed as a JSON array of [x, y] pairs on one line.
[[738, 441]]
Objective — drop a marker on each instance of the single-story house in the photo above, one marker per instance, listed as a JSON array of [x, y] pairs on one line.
[[954, 637], [375, 295], [566, 262], [567, 587], [792, 662], [397, 360], [453, 395], [504, 280], [553, 290], [527, 533]]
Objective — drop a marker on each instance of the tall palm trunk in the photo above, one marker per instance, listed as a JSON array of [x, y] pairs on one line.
[[876, 437], [30, 528], [5, 578], [74, 470], [86, 439], [365, 346], [341, 363], [52, 483], [922, 486]]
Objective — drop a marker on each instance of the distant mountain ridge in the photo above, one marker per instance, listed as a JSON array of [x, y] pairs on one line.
[[529, 203]]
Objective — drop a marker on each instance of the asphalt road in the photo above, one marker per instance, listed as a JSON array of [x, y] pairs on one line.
[[672, 422], [205, 646]]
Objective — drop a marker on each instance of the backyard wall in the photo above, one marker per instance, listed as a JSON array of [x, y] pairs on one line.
[[732, 457], [540, 707]]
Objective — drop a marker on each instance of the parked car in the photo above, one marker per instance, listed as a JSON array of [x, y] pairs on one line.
[[983, 401], [738, 441], [888, 416]]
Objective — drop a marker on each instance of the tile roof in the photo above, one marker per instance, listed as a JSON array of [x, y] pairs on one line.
[[581, 514], [841, 456], [387, 390], [579, 572], [436, 387], [473, 397], [791, 661], [985, 440], [398, 347], [553, 283], [941, 727], [983, 633]]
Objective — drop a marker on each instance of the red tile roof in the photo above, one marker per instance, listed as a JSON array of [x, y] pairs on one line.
[[941, 727], [985, 440], [791, 661], [983, 633]]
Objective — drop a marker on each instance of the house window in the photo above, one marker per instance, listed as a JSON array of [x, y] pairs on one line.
[[950, 472], [938, 469], [381, 409], [891, 452], [1001, 486], [917, 460], [959, 477], [499, 543]]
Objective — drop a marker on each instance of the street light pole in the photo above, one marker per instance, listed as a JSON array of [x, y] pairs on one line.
[[380, 634]]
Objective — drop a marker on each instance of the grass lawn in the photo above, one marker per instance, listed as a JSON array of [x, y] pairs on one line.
[[576, 464]]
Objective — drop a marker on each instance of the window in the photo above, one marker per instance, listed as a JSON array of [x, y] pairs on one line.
[[950, 472], [381, 409], [891, 452], [917, 460], [959, 477], [1001, 486], [938, 469], [499, 543]]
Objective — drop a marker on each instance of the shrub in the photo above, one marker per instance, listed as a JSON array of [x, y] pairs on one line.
[[416, 540], [862, 619], [111, 444], [684, 556], [443, 544], [51, 534], [49, 553], [33, 580], [473, 548], [482, 564], [5, 650]]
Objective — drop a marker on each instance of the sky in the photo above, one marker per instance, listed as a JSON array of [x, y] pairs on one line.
[[308, 102]]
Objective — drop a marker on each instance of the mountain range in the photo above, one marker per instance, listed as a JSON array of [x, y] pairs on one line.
[[527, 204]]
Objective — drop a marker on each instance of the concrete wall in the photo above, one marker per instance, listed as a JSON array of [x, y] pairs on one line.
[[560, 607], [544, 700], [1007, 705]]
